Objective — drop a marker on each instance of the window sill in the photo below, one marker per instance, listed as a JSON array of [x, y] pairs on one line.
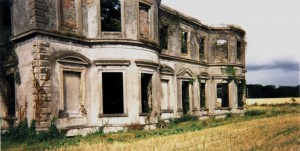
[[204, 109], [179, 110], [144, 114], [223, 108], [113, 115], [240, 108], [167, 111]]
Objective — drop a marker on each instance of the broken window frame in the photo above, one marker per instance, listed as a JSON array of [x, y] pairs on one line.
[[148, 6], [184, 41], [111, 69], [76, 69], [78, 11], [223, 46]]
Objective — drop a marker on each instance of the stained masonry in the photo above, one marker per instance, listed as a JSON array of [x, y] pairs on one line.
[[93, 63]]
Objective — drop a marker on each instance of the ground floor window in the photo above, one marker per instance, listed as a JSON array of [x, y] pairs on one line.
[[222, 95], [202, 95], [146, 92], [72, 92], [240, 88], [165, 94], [113, 94], [185, 96]]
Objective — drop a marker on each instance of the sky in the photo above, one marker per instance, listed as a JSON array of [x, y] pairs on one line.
[[273, 34]]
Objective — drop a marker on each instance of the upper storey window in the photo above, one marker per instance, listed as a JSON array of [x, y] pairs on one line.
[[238, 50], [70, 14], [110, 15], [144, 18], [201, 48], [184, 42], [163, 36]]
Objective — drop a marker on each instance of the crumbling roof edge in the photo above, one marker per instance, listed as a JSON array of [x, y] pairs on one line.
[[230, 27]]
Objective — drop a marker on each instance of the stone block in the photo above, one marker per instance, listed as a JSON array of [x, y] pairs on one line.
[[38, 19], [44, 117], [38, 56], [37, 12], [44, 63], [35, 63], [42, 43], [44, 71], [45, 124], [37, 5], [32, 1], [46, 110], [38, 50]]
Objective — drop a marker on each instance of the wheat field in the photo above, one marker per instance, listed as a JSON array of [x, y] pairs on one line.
[[275, 133]]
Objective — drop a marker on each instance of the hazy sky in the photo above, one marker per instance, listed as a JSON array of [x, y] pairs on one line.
[[273, 33]]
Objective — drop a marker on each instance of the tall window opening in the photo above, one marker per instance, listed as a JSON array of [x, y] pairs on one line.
[[110, 15], [184, 40], [165, 94], [9, 95], [202, 96], [222, 50], [240, 94], [185, 96], [238, 50], [146, 88], [222, 95], [145, 20], [72, 92], [201, 48], [163, 36], [112, 84]]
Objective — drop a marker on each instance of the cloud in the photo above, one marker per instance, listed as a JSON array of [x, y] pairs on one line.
[[287, 65]]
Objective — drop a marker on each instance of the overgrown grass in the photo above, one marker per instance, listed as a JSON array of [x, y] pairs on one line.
[[176, 126]]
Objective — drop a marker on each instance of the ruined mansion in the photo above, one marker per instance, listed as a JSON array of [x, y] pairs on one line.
[[91, 63]]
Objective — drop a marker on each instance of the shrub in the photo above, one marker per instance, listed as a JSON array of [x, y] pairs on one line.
[[254, 113], [228, 115], [135, 126], [184, 118]]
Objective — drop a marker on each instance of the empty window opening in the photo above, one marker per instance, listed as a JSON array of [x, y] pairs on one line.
[[185, 96], [201, 48], [72, 92], [202, 96], [165, 94], [184, 41], [113, 98], [8, 94], [222, 95], [222, 49], [238, 50], [240, 94], [146, 87], [111, 15], [163, 36], [144, 18]]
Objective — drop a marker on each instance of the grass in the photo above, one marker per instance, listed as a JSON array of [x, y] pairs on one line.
[[276, 127]]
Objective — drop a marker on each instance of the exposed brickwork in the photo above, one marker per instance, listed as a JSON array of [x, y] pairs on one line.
[[41, 83], [68, 14], [38, 9]]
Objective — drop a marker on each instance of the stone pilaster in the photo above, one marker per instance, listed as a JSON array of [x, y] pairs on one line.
[[41, 83], [38, 10]]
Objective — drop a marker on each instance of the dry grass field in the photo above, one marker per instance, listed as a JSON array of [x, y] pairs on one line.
[[275, 133], [267, 128]]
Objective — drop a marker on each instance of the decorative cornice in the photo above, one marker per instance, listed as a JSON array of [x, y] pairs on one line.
[[146, 63], [112, 62]]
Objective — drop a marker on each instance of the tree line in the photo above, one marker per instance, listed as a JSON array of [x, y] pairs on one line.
[[271, 91]]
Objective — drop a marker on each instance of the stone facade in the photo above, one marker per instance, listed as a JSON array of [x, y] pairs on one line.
[[158, 64]]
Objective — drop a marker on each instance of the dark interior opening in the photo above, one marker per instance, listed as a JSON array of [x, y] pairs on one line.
[[163, 33], [222, 93], [11, 96], [112, 84], [202, 96], [201, 48], [184, 42], [146, 88], [111, 15], [238, 50], [185, 97]]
